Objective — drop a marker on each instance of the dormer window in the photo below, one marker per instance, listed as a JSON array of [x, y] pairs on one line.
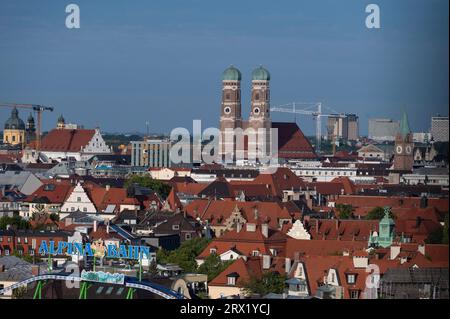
[[231, 278], [176, 227], [351, 278], [255, 253], [213, 251]]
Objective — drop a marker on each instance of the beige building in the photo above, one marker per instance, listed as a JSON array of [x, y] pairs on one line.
[[14, 131], [166, 174]]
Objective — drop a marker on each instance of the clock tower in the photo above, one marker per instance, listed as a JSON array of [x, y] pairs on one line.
[[230, 109], [403, 152]]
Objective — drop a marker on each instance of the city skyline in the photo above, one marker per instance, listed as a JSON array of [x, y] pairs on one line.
[[170, 68]]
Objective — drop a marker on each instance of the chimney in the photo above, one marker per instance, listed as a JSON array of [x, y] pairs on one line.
[[266, 261], [265, 230], [95, 226], [287, 264], [35, 270]]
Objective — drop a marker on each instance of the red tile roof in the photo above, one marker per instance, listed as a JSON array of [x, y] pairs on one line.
[[347, 230], [292, 143], [55, 191], [217, 211], [64, 140]]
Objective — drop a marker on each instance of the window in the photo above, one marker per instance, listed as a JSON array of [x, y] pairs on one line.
[[18, 240], [9, 239], [231, 281], [351, 278], [354, 294], [78, 199], [255, 253], [84, 209], [72, 209], [188, 236], [25, 240], [175, 227]]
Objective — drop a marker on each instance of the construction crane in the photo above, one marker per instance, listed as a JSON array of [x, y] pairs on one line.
[[313, 109], [38, 109]]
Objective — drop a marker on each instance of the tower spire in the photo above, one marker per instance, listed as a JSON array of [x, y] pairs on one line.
[[404, 125]]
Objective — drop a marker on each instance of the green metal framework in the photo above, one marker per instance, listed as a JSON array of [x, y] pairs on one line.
[[130, 293], [38, 290]]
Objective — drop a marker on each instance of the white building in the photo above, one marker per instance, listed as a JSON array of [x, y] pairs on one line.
[[80, 144], [78, 200]]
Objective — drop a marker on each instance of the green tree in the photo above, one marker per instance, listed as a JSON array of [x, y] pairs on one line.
[[146, 181], [378, 213], [54, 217], [213, 266], [344, 211], [16, 222], [435, 237], [269, 282], [184, 256]]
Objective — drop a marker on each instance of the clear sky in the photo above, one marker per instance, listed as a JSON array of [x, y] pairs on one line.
[[161, 60]]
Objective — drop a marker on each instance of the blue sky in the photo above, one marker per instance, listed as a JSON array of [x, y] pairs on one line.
[[161, 61]]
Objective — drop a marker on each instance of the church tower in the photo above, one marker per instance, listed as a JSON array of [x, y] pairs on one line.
[[14, 132], [260, 105], [403, 156], [30, 129], [61, 124], [230, 109]]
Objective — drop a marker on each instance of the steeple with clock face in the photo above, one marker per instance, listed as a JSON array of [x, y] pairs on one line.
[[404, 146], [230, 108]]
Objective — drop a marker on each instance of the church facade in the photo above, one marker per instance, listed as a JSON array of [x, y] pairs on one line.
[[260, 136]]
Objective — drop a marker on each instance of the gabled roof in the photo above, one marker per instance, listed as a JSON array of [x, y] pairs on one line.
[[217, 211], [65, 140], [292, 143]]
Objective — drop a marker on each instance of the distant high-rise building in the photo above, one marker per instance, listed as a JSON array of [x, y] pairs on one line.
[[150, 153], [439, 128], [353, 127], [343, 126], [383, 129], [337, 127]]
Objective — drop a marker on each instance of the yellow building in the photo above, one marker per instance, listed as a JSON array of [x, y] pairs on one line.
[[14, 132]]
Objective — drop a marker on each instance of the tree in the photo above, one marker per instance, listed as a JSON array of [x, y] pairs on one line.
[[378, 213], [16, 222], [213, 266], [146, 181], [184, 256], [269, 282], [54, 217], [344, 211]]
